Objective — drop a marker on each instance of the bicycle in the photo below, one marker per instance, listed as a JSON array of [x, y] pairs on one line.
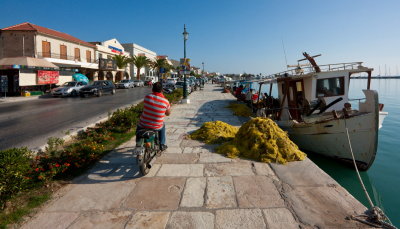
[[147, 147]]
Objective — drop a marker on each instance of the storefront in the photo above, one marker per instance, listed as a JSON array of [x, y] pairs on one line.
[[28, 74]]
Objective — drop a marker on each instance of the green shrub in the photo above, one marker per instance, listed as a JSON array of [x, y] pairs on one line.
[[15, 165], [175, 96]]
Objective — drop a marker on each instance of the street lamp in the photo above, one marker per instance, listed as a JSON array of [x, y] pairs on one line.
[[185, 37], [203, 67]]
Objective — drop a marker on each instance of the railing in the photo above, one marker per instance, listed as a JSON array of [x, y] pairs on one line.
[[64, 57], [324, 68]]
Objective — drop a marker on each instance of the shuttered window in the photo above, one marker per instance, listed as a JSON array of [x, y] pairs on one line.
[[88, 56], [46, 49], [77, 54], [63, 52]]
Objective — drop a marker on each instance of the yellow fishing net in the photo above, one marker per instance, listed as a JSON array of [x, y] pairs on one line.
[[240, 109], [214, 132], [261, 139]]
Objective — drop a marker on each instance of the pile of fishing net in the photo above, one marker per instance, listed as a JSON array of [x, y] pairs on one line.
[[214, 132], [261, 139], [240, 109]]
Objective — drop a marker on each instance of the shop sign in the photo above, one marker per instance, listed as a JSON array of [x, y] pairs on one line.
[[4, 84], [115, 50], [47, 77], [107, 64]]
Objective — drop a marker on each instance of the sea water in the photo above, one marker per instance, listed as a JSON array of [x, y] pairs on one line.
[[382, 180]]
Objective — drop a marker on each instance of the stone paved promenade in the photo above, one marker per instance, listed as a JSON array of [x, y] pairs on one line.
[[189, 186]]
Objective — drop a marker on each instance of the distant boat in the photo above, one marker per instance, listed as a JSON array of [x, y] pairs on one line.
[[313, 107]]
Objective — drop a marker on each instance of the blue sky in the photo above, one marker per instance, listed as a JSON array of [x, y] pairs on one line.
[[231, 36]]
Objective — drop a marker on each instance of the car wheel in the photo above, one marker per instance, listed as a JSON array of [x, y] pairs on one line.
[[74, 93], [99, 93], [113, 91]]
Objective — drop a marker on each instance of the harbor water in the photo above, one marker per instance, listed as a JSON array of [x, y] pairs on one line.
[[382, 180]]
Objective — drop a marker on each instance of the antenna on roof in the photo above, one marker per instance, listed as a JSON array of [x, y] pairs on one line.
[[284, 52]]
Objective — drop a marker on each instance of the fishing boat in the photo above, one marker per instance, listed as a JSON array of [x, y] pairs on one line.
[[313, 106]]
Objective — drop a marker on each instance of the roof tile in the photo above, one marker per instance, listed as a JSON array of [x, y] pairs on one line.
[[26, 26]]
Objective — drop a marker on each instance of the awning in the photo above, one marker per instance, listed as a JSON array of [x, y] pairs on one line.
[[18, 62]]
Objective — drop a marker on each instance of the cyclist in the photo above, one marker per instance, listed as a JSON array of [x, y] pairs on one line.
[[156, 107]]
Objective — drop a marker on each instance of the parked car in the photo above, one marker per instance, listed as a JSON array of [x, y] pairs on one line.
[[98, 88], [138, 83], [125, 84], [68, 89], [171, 81], [180, 84]]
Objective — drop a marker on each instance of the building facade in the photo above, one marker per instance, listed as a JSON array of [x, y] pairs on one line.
[[69, 54], [108, 69], [137, 50]]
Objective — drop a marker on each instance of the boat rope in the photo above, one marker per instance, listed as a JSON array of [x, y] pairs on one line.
[[373, 216]]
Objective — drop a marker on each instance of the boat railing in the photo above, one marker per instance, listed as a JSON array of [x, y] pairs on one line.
[[324, 68]]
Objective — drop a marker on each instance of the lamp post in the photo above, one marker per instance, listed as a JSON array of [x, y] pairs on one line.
[[185, 37], [203, 68]]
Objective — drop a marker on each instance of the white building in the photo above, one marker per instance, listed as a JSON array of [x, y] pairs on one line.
[[107, 68], [137, 50]]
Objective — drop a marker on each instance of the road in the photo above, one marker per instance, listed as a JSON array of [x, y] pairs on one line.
[[30, 123]]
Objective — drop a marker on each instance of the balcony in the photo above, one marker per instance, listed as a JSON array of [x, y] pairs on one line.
[[64, 57]]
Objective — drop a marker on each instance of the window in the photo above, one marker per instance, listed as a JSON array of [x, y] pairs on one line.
[[77, 54], [63, 52], [46, 49], [330, 87], [88, 56]]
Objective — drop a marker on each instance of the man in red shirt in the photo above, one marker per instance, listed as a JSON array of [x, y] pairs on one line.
[[156, 107]]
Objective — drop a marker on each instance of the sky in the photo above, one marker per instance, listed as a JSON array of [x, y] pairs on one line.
[[231, 36]]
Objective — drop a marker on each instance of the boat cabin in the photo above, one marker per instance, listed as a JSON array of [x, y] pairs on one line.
[[309, 88]]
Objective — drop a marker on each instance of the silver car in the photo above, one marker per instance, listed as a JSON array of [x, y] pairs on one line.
[[68, 89], [138, 83], [125, 84]]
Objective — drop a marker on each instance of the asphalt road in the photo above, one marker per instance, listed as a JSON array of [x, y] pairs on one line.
[[30, 123]]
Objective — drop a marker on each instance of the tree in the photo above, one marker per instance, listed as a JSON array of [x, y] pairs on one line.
[[121, 62], [140, 62], [158, 64]]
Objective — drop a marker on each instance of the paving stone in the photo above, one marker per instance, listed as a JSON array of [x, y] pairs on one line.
[[294, 173], [51, 220], [101, 220], [156, 193], [96, 196], [279, 218], [153, 220], [239, 218], [188, 150], [177, 158], [193, 195], [153, 171], [192, 220], [220, 192], [113, 172], [263, 169], [324, 207], [229, 169], [172, 149], [257, 192], [179, 170], [213, 158]]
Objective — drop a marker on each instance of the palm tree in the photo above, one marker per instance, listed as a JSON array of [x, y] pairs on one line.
[[121, 62], [140, 62], [158, 64]]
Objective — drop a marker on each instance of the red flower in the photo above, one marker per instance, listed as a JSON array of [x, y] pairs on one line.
[[37, 169], [57, 165], [67, 164]]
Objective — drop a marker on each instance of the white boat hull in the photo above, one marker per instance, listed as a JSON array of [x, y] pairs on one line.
[[328, 136]]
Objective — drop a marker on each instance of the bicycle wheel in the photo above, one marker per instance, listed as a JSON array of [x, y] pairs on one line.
[[143, 161]]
